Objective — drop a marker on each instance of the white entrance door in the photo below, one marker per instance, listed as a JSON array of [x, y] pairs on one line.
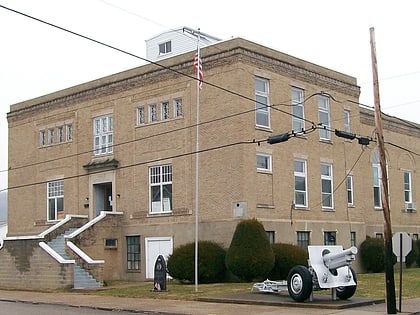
[[156, 246]]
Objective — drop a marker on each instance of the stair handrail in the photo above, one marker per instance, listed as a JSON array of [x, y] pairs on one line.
[[55, 255], [92, 222], [66, 219], [82, 254]]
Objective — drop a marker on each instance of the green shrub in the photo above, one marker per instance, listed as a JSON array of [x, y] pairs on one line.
[[412, 257], [211, 262], [250, 255], [286, 257], [372, 254], [417, 244]]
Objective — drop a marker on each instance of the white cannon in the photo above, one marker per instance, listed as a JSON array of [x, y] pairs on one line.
[[329, 268]]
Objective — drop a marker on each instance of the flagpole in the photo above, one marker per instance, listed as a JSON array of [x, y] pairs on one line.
[[197, 147]]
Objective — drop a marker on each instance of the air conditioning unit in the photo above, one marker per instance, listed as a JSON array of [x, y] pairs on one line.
[[410, 207]]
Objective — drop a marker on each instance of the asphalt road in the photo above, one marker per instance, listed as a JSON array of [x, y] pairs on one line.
[[23, 308]]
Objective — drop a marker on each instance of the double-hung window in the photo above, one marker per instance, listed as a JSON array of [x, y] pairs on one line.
[[262, 103], [298, 113], [152, 113], [165, 110], [42, 138], [408, 195], [349, 187], [178, 108], [133, 252], [347, 126], [303, 239], [264, 162], [326, 185], [330, 238], [324, 117], [140, 116], [69, 132], [55, 199], [160, 188], [51, 136], [60, 134], [377, 198], [103, 135], [301, 194]]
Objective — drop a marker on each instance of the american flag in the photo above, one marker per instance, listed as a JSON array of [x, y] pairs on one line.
[[198, 66]]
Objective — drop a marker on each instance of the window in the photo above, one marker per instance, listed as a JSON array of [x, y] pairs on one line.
[[165, 48], [60, 134], [377, 201], [407, 187], [69, 132], [178, 108], [352, 238], [165, 110], [415, 236], [324, 117], [330, 238], [270, 236], [133, 252], [347, 127], [300, 183], [262, 104], [160, 188], [303, 239], [111, 243], [379, 235], [349, 187], [50, 136], [140, 115], [326, 185], [298, 114], [41, 138], [55, 199], [152, 113], [263, 162], [102, 132]]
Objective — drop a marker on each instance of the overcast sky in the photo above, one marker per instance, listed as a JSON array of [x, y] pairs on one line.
[[36, 59]]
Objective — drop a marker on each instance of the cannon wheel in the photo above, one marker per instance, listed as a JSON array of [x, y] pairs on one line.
[[299, 283], [344, 293]]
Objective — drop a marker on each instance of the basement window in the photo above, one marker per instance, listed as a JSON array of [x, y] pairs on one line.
[[111, 243]]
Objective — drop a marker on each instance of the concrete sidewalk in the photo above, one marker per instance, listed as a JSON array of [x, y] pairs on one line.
[[252, 303]]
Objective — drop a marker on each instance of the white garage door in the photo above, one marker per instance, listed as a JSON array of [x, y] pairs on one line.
[[156, 246]]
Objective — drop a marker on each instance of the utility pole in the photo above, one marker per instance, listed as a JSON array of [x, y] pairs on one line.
[[389, 268]]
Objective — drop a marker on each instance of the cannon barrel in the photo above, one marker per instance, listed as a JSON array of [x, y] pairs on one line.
[[338, 260]]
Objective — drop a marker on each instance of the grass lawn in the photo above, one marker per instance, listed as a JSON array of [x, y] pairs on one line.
[[369, 285]]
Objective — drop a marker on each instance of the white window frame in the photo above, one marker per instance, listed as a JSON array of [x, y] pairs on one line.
[[60, 134], [350, 190], [50, 136], [377, 185], [347, 124], [301, 174], [164, 110], [262, 103], [42, 138], [69, 132], [55, 199], [408, 186], [103, 135], [266, 166], [324, 117], [178, 108], [160, 185], [327, 197], [153, 115], [141, 118], [165, 48], [298, 110]]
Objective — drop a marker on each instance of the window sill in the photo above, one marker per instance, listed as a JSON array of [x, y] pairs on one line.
[[262, 171], [328, 209], [326, 141], [160, 214], [263, 128], [304, 208]]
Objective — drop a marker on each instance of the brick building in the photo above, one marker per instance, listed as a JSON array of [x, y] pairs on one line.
[[114, 160]]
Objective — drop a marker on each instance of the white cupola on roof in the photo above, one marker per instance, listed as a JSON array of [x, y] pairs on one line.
[[174, 42]]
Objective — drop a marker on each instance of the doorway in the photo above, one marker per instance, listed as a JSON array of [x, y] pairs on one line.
[[103, 197]]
